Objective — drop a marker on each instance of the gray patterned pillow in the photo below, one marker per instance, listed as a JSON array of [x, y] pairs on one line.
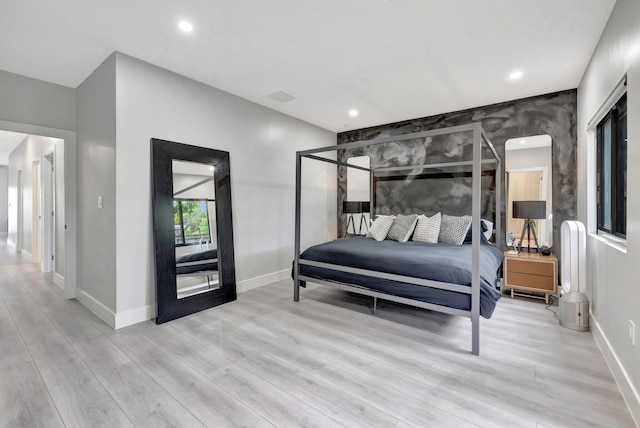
[[454, 229], [380, 227], [428, 229], [402, 227]]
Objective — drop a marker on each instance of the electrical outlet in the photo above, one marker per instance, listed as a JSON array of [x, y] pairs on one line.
[[632, 333], [99, 201]]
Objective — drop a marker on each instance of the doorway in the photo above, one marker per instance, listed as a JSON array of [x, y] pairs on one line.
[[37, 214], [20, 213], [48, 232]]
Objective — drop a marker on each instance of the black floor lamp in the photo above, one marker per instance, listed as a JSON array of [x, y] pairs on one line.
[[356, 207], [529, 210]]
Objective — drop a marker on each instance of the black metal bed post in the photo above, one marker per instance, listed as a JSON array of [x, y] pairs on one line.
[[296, 262], [498, 189], [475, 238], [371, 195]]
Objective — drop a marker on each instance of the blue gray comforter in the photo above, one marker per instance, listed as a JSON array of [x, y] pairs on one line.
[[438, 262]]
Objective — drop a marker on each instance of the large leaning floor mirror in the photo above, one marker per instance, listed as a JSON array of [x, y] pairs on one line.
[[193, 230], [528, 165]]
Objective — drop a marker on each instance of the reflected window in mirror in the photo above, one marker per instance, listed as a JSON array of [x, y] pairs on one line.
[[528, 166]]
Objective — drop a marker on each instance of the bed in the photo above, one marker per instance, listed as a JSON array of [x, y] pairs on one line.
[[198, 263], [435, 262], [351, 264]]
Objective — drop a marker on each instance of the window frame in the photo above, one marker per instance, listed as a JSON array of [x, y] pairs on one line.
[[618, 173]]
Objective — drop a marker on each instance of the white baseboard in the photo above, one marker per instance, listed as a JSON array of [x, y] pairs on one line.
[[26, 253], [58, 280], [628, 390], [134, 316], [11, 244], [99, 310], [259, 281], [145, 313]]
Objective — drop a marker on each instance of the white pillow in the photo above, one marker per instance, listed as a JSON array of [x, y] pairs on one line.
[[428, 228], [402, 227], [454, 229], [380, 227]]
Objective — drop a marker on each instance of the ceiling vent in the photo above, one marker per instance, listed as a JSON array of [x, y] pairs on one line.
[[282, 96]]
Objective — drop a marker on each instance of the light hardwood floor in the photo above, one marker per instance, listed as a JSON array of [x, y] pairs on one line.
[[265, 361]]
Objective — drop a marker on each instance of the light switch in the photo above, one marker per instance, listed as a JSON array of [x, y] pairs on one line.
[[99, 201]]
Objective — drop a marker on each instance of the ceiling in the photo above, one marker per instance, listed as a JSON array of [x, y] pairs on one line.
[[389, 59]]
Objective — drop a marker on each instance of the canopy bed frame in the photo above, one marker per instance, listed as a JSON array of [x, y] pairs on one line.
[[480, 141]]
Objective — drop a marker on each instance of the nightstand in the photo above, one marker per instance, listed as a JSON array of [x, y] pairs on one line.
[[531, 272]]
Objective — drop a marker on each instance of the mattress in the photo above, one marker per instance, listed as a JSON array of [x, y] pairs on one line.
[[437, 262], [196, 262]]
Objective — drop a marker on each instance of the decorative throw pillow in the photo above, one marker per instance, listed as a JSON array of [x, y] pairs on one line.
[[489, 228], [454, 229], [380, 227], [468, 239], [402, 227], [428, 228]]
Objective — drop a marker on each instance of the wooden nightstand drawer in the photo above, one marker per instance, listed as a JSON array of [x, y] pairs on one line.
[[538, 282], [531, 272], [525, 266]]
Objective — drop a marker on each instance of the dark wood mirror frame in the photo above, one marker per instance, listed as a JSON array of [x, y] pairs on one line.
[[169, 307]]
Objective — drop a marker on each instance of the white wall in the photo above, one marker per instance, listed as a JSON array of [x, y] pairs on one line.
[[96, 136], [31, 101], [613, 272], [152, 102], [4, 199]]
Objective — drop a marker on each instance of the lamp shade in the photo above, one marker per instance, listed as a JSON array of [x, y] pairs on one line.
[[355, 207], [530, 209], [351, 207]]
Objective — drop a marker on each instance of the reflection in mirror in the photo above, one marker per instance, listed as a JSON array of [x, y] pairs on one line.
[[194, 222], [357, 203], [528, 178]]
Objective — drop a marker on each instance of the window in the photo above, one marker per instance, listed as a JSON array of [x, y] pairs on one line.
[[191, 221], [612, 170]]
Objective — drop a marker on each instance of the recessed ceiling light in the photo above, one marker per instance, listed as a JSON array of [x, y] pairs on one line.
[[343, 125], [211, 168], [353, 112], [515, 75], [523, 141], [185, 26]]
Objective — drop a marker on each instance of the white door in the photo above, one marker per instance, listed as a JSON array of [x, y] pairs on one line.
[[48, 211], [37, 214], [20, 209]]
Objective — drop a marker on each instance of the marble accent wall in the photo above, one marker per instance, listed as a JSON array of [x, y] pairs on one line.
[[554, 114]]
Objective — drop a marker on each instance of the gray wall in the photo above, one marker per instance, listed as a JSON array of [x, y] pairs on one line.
[[4, 199], [31, 101], [613, 270], [553, 114], [152, 102], [96, 140]]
